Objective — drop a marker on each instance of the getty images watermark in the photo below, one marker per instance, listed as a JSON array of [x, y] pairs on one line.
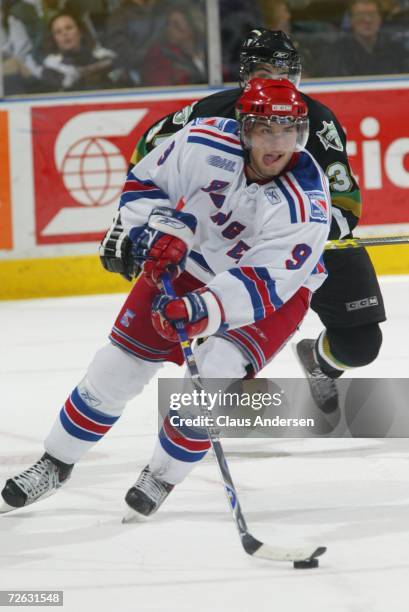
[[282, 408], [202, 408], [232, 408]]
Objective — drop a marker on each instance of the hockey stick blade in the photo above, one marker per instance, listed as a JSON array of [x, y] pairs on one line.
[[255, 548]]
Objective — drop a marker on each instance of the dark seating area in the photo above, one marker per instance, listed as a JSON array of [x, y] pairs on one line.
[[68, 45]]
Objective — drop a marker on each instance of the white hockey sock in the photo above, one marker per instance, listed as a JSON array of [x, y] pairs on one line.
[[168, 468], [97, 402]]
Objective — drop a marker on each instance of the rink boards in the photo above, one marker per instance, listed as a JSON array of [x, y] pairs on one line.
[[64, 159]]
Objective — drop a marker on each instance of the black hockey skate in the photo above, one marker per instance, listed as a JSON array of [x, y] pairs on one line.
[[146, 496], [37, 482], [323, 388]]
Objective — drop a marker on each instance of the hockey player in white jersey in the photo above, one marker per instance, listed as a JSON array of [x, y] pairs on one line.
[[237, 212]]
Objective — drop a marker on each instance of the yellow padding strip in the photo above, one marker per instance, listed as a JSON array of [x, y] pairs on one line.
[[34, 278], [326, 354], [391, 259], [59, 276]]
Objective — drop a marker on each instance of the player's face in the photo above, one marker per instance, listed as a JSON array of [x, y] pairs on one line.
[[272, 146], [268, 71]]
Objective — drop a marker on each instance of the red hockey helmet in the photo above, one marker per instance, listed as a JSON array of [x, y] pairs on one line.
[[273, 102]]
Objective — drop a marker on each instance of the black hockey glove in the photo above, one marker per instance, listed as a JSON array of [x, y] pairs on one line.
[[115, 251]]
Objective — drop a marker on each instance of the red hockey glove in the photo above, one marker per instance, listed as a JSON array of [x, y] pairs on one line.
[[162, 244], [200, 311]]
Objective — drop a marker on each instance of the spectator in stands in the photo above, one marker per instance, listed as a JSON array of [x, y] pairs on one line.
[[13, 70], [131, 30], [76, 62], [178, 59], [27, 22], [367, 50]]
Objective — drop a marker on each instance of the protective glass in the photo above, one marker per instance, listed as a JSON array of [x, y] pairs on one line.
[[284, 134]]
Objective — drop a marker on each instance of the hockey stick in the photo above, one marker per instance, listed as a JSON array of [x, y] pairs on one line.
[[356, 243], [302, 557]]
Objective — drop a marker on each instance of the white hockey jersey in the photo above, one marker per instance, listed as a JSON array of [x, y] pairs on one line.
[[255, 244]]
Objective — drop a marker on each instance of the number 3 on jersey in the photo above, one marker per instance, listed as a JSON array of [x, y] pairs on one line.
[[299, 254], [339, 178]]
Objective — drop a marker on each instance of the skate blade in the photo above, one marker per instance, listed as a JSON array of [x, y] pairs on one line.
[[131, 516], [5, 507]]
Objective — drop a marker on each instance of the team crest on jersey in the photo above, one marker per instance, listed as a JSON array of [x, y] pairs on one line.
[[127, 318], [318, 207], [329, 137], [272, 195], [182, 116], [221, 162]]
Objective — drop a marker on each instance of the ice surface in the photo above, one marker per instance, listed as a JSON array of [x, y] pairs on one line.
[[351, 495]]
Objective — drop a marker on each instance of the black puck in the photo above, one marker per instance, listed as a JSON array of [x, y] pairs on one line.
[[306, 564]]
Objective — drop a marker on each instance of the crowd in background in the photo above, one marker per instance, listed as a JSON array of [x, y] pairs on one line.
[[66, 45], [74, 45]]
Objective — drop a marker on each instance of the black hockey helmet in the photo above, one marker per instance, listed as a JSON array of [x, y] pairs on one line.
[[272, 47]]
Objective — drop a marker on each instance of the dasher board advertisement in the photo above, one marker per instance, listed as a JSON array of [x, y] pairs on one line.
[[81, 154]]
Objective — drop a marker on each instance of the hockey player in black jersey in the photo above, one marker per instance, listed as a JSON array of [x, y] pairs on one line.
[[352, 336]]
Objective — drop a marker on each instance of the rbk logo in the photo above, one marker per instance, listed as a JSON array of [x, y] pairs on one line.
[[88, 398], [175, 223]]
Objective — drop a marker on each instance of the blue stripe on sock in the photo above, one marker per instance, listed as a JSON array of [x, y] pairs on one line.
[[177, 452]]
